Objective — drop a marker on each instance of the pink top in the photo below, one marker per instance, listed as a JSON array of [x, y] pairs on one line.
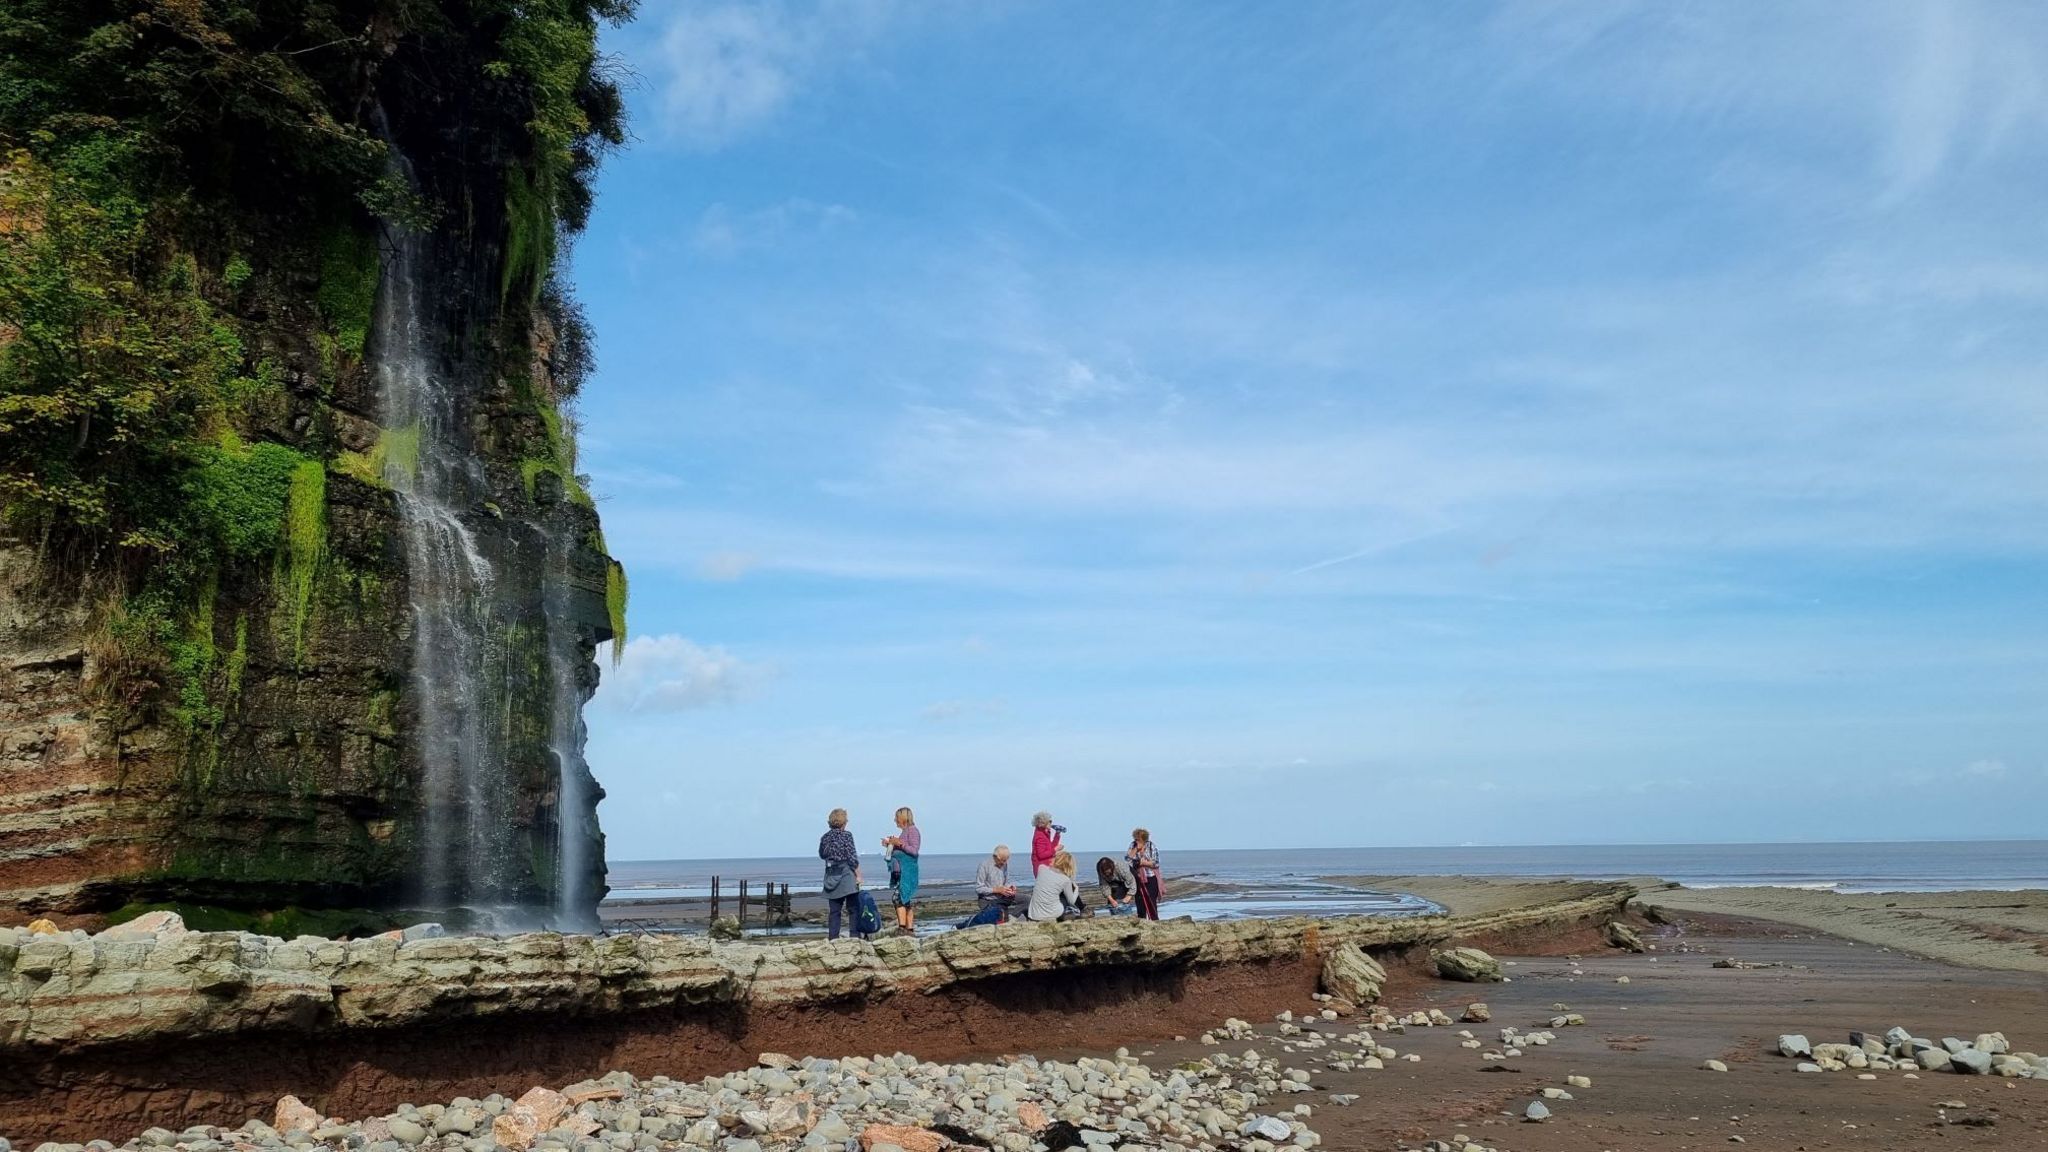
[[1045, 844], [911, 839]]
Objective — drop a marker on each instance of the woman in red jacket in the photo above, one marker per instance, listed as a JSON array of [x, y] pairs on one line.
[[1045, 841]]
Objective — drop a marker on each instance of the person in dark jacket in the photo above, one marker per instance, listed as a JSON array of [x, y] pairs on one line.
[[842, 874]]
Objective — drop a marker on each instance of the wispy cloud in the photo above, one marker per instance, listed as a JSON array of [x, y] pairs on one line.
[[1656, 383], [669, 673], [726, 566], [721, 70], [724, 232]]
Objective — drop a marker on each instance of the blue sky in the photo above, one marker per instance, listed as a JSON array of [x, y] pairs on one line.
[[1325, 423]]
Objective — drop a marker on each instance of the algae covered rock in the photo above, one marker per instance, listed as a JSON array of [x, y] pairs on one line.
[[1622, 936], [1350, 974], [1467, 964]]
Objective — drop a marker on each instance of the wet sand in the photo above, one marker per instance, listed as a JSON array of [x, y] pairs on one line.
[[2004, 930], [1644, 1043]]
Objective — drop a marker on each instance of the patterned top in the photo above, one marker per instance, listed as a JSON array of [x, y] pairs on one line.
[[836, 846], [1144, 858], [911, 839]]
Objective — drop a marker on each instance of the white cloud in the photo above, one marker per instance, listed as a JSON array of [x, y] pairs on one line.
[[1986, 769], [669, 673], [722, 70], [727, 566]]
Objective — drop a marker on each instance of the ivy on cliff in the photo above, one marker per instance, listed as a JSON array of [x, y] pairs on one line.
[[172, 173], [140, 134]]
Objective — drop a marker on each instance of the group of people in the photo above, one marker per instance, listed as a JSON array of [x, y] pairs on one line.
[[1130, 886]]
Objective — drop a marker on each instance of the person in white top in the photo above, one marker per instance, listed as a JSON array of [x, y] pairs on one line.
[[1055, 896]]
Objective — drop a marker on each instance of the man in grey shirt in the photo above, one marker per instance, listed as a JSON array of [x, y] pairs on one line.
[[992, 881]]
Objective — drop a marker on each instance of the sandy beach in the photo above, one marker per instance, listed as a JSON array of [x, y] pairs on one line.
[[2003, 930]]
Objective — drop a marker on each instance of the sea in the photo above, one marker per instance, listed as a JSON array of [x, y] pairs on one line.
[[1263, 882]]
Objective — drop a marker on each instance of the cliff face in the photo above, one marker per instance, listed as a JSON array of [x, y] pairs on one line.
[[216, 685]]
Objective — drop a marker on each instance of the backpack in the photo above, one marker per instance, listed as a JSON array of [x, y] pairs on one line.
[[990, 914], [867, 918]]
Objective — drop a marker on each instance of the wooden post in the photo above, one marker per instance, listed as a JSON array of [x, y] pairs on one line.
[[743, 906], [714, 900], [782, 915]]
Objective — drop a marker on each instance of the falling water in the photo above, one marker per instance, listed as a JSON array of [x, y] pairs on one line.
[[575, 902], [475, 689], [468, 852]]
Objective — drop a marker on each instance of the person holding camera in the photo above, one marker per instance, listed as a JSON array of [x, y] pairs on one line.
[[1143, 859], [1045, 841]]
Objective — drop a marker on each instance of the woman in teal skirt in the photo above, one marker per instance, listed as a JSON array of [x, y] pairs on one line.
[[903, 849]]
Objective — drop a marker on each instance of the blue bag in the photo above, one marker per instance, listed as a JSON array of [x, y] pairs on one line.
[[987, 914], [867, 918]]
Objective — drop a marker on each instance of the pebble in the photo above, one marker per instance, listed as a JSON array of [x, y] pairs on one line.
[[825, 1105], [1535, 1113], [1714, 1066]]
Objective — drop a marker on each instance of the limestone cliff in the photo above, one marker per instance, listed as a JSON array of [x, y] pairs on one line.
[[211, 678]]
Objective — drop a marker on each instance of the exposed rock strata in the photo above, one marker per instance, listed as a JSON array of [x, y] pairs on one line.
[[77, 992]]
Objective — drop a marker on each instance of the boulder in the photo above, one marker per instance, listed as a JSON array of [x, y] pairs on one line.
[[146, 926], [1992, 1044], [1793, 1044], [1467, 964], [1970, 1062], [1266, 1128], [1477, 1013], [1931, 1060], [1352, 975], [532, 1114], [1535, 1113], [294, 1115], [790, 1115], [1622, 936]]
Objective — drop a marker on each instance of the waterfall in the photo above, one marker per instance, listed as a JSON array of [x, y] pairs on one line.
[[574, 900], [467, 851], [500, 636]]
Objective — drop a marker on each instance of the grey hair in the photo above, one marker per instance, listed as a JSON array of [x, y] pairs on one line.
[[1042, 820], [1001, 850]]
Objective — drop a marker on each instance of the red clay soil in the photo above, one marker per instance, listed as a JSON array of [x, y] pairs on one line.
[[226, 1080]]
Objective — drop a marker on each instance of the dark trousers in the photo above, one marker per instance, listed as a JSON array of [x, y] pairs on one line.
[[1148, 897], [1007, 903], [847, 905]]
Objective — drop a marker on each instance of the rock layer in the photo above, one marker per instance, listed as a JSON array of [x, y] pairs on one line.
[[214, 1028], [76, 991]]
